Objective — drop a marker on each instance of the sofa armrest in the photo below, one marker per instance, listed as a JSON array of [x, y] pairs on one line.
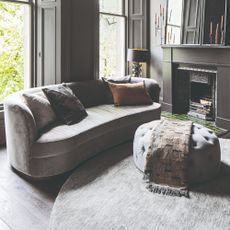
[[21, 132], [151, 85]]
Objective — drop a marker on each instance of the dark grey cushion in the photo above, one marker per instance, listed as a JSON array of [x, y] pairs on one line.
[[66, 105], [123, 79]]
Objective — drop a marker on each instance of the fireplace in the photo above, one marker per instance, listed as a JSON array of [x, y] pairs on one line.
[[201, 98], [193, 73]]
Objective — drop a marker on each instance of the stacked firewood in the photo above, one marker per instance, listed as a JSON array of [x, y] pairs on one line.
[[203, 109]]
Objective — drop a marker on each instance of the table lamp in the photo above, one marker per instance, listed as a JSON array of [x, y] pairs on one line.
[[136, 56]]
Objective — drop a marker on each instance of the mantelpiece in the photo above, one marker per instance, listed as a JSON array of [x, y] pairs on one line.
[[215, 57]]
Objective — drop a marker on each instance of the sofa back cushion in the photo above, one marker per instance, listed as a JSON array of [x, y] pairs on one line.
[[90, 93]]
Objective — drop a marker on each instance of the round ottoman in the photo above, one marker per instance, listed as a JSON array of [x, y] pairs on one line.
[[204, 158]]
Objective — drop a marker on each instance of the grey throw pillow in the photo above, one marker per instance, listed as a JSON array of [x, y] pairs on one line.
[[65, 104], [41, 110]]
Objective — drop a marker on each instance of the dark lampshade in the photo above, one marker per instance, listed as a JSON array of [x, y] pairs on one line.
[[138, 55]]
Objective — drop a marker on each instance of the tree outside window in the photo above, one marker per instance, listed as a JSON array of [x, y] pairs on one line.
[[112, 38], [13, 47]]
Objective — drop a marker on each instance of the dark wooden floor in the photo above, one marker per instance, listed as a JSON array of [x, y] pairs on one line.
[[26, 205]]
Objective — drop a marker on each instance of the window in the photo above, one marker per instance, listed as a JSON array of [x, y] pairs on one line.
[[112, 38], [174, 21], [15, 46]]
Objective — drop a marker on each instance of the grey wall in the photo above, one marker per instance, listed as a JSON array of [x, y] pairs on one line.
[[155, 44]]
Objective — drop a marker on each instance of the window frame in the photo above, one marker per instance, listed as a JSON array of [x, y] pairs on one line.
[[124, 15], [32, 5]]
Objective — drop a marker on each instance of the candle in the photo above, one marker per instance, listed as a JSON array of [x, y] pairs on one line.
[[170, 16], [217, 34], [163, 14], [160, 10], [222, 23], [222, 38], [211, 28], [155, 19]]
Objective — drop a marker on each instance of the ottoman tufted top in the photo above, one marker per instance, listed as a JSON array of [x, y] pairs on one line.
[[204, 157]]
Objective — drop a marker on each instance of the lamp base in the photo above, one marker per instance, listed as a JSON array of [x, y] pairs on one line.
[[136, 69]]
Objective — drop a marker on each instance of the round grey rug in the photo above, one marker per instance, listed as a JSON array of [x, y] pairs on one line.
[[108, 192]]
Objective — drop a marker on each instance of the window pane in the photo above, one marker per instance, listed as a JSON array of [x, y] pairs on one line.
[[173, 35], [112, 46], [174, 12], [111, 6], [14, 47]]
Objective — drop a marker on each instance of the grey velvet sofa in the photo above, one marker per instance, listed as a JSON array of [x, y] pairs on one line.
[[60, 148]]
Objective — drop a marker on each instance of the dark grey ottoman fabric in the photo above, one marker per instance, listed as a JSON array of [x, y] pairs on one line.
[[204, 159]]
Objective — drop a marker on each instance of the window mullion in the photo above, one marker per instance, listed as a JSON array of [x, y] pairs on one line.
[[115, 15]]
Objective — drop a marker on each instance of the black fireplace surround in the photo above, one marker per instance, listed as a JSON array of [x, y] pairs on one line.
[[196, 81], [195, 90]]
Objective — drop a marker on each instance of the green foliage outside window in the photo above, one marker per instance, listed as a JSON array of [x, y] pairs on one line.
[[11, 48]]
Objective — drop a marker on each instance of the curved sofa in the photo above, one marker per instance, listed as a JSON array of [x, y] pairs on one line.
[[60, 148]]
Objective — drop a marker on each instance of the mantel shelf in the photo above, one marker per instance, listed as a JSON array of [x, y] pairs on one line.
[[191, 46]]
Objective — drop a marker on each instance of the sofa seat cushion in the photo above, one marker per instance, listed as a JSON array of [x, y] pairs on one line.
[[100, 120]]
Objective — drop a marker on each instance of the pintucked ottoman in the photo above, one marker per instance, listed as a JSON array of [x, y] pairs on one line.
[[204, 158]]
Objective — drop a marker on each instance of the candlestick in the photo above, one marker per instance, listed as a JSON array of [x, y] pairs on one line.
[[222, 37], [160, 24], [217, 34]]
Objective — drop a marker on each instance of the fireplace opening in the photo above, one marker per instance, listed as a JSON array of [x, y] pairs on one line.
[[196, 91], [200, 91], [201, 101]]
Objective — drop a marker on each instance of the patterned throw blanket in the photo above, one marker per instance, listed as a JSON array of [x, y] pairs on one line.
[[167, 158]]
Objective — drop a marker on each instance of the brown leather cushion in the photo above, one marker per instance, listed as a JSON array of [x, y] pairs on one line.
[[130, 94], [116, 80]]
